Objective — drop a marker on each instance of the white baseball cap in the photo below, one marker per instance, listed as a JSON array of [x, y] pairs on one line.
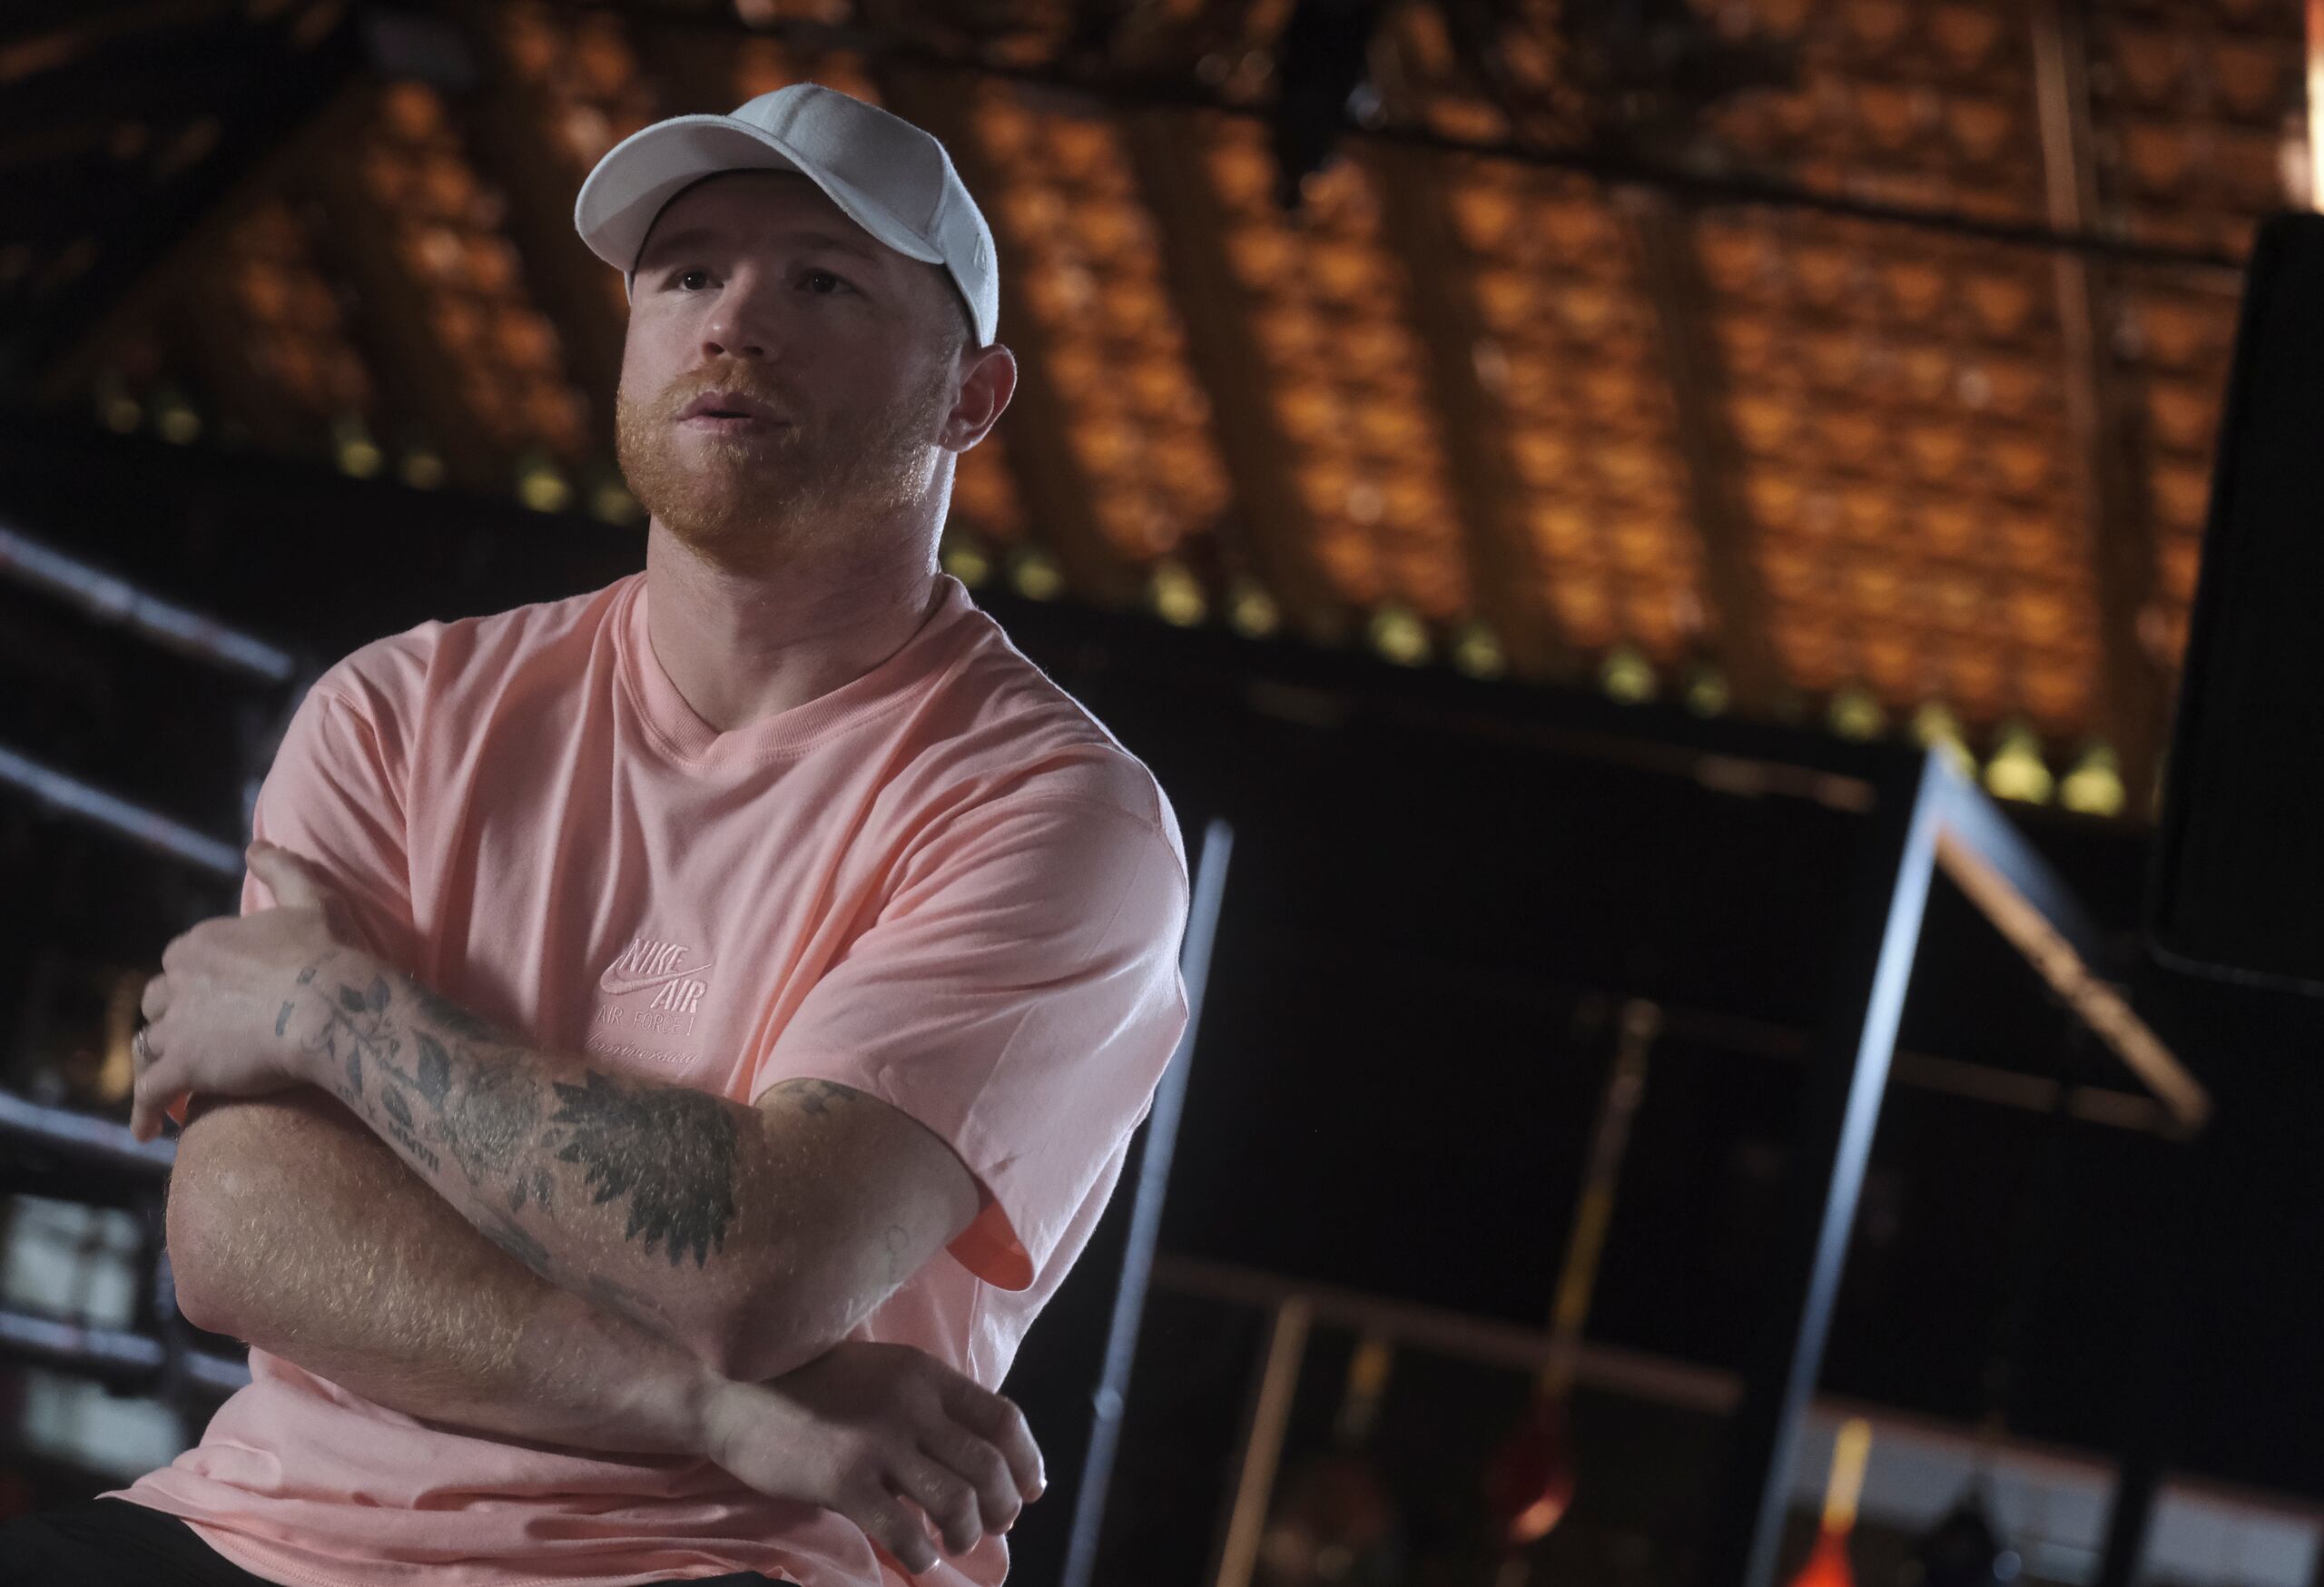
[[892, 178]]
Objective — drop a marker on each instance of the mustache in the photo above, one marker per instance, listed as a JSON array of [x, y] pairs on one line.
[[733, 378]]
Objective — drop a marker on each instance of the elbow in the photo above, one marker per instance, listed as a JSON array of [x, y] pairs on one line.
[[771, 1332], [190, 1239]]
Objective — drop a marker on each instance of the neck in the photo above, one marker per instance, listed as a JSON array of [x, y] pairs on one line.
[[740, 647]]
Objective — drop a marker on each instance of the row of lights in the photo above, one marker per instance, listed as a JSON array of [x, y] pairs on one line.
[[2017, 770], [539, 482]]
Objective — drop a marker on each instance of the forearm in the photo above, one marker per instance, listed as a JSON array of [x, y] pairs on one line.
[[602, 1184], [290, 1226]]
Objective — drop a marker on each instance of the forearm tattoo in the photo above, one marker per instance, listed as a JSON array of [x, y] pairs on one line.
[[454, 1094]]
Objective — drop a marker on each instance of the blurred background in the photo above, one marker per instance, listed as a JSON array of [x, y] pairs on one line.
[[1557, 483]]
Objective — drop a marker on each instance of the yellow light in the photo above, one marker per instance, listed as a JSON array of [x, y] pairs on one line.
[[422, 469], [2017, 771], [176, 421], [1628, 675], [1707, 691], [540, 486], [1036, 575], [965, 561], [351, 444], [610, 501], [1177, 594], [1855, 714], [120, 413], [1851, 1452], [1251, 610], [1935, 727], [1399, 636], [2094, 787], [1476, 649]]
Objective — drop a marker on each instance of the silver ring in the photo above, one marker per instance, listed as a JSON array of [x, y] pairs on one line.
[[144, 1053]]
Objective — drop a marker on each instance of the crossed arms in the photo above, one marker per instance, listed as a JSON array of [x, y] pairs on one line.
[[485, 1232]]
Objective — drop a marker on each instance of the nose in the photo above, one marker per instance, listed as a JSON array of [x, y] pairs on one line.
[[740, 324]]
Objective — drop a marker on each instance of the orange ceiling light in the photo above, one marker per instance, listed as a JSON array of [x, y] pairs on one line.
[[2190, 105], [448, 234], [1574, 367], [1115, 346], [1905, 473], [292, 332], [1350, 401], [1926, 103]]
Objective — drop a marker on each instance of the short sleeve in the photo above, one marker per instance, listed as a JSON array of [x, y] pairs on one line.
[[1019, 995], [332, 797]]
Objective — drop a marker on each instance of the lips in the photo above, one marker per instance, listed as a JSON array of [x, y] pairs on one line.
[[729, 406]]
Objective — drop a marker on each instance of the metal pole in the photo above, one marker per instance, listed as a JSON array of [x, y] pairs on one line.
[[111, 599], [1263, 1428], [149, 829], [1834, 1138], [1145, 1213]]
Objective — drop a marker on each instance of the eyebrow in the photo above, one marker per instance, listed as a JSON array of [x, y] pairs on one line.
[[695, 236]]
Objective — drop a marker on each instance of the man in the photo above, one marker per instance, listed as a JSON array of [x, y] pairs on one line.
[[677, 1037]]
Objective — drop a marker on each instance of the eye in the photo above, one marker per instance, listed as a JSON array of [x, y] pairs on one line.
[[814, 277], [684, 276]]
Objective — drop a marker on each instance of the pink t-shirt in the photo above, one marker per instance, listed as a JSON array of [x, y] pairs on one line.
[[944, 883]]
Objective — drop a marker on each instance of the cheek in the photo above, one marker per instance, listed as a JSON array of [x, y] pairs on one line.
[[650, 358]]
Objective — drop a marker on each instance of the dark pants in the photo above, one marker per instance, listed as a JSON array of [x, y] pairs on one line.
[[111, 1542]]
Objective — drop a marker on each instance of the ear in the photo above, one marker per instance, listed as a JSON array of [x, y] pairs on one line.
[[985, 389]]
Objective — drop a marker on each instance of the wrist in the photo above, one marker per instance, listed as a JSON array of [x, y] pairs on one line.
[[717, 1409], [319, 1005]]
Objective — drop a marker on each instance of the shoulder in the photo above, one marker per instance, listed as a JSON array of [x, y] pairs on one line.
[[390, 682], [1017, 739]]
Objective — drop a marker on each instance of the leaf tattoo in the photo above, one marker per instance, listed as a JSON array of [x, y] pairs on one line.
[[435, 1077], [672, 1152]]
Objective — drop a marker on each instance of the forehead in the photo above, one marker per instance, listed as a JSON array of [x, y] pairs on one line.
[[750, 207]]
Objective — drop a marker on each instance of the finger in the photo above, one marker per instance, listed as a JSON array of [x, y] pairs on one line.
[[886, 1520], [996, 1419], [981, 1466], [150, 1100], [951, 1504], [155, 1002], [294, 883]]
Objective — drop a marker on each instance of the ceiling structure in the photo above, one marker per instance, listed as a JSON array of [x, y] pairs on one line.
[[1845, 359]]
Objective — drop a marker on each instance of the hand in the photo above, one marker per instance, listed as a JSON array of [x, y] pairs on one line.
[[864, 1429], [236, 996]]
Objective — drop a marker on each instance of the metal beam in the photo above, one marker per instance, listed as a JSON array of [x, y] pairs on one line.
[[2133, 695], [1879, 941], [1092, 1483], [1123, 91], [1507, 579], [1698, 377]]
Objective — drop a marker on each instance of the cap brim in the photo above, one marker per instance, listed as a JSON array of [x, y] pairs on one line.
[[620, 201]]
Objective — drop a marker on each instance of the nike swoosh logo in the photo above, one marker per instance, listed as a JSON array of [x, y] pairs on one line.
[[612, 984]]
